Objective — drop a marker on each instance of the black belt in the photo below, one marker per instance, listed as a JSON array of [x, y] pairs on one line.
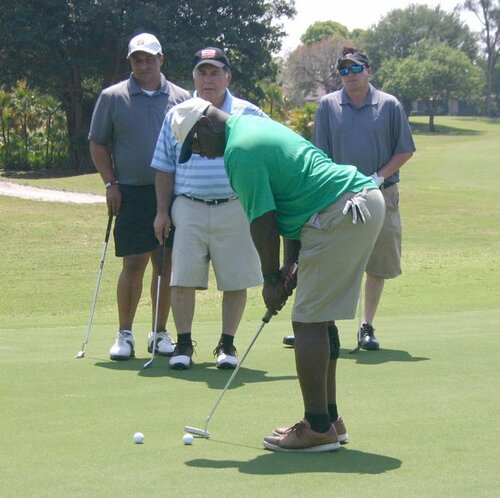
[[387, 184], [211, 202]]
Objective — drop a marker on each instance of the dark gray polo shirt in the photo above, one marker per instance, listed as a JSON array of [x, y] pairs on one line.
[[129, 121], [366, 137]]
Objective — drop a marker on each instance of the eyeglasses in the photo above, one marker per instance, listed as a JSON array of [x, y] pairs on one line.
[[356, 69]]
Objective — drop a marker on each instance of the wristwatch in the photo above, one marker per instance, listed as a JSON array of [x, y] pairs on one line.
[[109, 184]]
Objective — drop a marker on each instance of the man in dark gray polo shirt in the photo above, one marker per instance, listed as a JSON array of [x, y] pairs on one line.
[[125, 125], [362, 126]]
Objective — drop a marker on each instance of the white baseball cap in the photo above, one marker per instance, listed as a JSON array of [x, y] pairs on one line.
[[184, 116], [145, 42]]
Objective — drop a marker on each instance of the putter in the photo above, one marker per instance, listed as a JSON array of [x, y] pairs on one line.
[[358, 333], [204, 432], [81, 353], [158, 285]]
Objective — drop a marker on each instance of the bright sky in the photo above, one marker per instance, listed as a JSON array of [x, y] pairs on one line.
[[355, 14]]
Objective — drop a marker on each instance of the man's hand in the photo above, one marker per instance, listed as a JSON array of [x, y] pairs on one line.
[[289, 278], [162, 225], [274, 296], [378, 180], [114, 199]]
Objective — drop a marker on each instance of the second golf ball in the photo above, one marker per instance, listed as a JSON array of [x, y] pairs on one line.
[[187, 438], [138, 438]]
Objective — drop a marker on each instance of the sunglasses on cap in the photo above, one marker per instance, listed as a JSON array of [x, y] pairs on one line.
[[356, 69]]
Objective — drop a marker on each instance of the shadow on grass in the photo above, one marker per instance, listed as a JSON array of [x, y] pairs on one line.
[[343, 461], [381, 356], [423, 129], [199, 372], [378, 357]]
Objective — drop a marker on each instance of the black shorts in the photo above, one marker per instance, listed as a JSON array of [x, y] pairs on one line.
[[134, 231]]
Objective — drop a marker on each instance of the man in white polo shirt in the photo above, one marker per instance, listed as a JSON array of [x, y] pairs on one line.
[[210, 224]]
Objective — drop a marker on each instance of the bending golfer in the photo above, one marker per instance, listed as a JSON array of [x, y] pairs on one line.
[[330, 216]]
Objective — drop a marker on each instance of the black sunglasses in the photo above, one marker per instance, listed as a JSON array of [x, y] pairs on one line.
[[356, 69]]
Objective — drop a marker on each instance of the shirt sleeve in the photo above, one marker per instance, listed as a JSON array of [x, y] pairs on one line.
[[101, 126], [250, 180], [165, 154], [403, 140], [321, 136]]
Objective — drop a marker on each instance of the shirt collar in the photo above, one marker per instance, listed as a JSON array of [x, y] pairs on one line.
[[227, 105], [134, 87], [371, 98]]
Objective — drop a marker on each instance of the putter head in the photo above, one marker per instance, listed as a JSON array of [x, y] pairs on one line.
[[80, 354], [148, 363], [196, 432], [356, 349]]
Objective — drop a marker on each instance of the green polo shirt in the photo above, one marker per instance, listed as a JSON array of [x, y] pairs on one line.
[[271, 168]]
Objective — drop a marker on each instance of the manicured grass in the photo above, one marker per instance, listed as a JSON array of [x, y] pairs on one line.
[[421, 412]]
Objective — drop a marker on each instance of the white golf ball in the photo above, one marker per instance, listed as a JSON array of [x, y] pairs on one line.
[[188, 438], [138, 438]]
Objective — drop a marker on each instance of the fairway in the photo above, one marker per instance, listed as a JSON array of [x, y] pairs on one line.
[[422, 413]]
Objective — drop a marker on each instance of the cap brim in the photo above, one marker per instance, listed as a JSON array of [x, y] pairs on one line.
[[211, 62], [147, 51], [353, 60], [186, 151]]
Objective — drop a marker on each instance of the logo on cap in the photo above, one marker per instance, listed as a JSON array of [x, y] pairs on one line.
[[208, 53]]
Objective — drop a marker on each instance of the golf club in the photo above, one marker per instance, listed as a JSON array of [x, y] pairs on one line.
[[81, 353], [204, 432], [358, 333], [157, 305]]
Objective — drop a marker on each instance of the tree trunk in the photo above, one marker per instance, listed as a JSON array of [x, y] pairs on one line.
[[77, 122], [432, 128]]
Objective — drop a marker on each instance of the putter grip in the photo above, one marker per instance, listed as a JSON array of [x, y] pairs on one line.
[[269, 314], [161, 257]]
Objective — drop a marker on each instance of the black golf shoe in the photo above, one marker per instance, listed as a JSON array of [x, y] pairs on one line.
[[368, 339]]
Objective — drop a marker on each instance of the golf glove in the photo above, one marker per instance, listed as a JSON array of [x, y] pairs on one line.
[[378, 180], [357, 207]]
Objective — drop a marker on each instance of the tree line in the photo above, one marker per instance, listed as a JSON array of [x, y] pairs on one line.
[[68, 51]]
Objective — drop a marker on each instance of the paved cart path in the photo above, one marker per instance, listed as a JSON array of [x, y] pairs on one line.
[[11, 189]]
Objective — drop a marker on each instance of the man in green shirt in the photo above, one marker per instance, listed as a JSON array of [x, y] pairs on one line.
[[329, 216]]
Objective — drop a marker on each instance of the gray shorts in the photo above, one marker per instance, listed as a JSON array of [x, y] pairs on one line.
[[385, 260], [219, 234], [332, 259]]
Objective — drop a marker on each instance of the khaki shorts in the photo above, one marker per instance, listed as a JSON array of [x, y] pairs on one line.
[[219, 234], [332, 258], [385, 260]]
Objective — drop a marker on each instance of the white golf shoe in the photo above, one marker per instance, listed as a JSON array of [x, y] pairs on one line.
[[123, 347], [164, 344]]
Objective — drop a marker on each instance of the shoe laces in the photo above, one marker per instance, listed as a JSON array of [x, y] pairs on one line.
[[124, 337], [299, 427], [230, 350], [163, 335], [184, 348], [367, 329]]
